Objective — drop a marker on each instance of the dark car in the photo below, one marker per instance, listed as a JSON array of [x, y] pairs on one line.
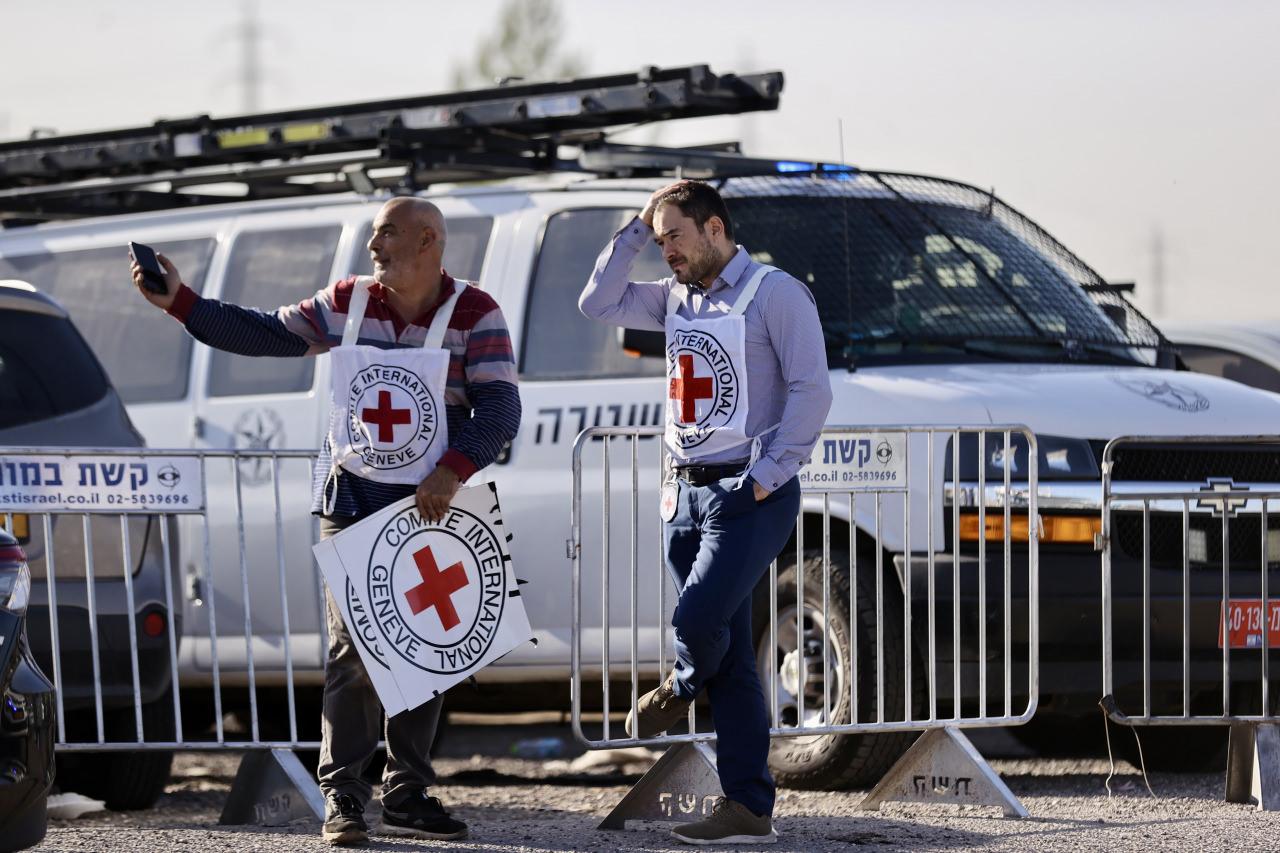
[[26, 713], [55, 393]]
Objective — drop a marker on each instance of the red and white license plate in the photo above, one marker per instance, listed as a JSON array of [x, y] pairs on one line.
[[1243, 624]]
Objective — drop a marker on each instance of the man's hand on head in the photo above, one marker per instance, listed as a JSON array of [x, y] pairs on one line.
[[646, 215], [436, 492], [172, 281]]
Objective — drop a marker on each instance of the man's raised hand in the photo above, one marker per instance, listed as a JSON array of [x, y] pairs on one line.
[[172, 281], [650, 208]]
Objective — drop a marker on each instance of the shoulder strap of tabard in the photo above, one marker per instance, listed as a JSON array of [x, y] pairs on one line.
[[749, 292], [355, 310], [676, 297], [440, 322]]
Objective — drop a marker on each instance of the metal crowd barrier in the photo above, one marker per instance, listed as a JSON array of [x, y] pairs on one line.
[[93, 543], [124, 545], [897, 501], [1187, 633]]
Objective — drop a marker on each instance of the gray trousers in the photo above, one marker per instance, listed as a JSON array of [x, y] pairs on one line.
[[350, 723]]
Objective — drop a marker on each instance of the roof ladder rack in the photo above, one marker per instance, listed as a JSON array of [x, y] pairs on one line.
[[480, 134]]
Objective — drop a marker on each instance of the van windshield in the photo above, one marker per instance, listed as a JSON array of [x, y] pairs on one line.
[[904, 267]]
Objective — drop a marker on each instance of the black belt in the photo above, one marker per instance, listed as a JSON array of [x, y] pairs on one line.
[[705, 475]]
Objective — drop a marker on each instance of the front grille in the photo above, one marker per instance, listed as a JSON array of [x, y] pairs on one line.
[[1166, 538], [1193, 464]]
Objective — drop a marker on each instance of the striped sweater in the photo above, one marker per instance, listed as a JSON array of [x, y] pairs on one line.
[[482, 403]]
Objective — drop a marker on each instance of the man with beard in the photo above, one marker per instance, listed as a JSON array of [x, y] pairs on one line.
[[748, 394]]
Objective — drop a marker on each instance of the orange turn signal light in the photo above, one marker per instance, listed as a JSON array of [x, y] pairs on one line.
[[1059, 529], [21, 526]]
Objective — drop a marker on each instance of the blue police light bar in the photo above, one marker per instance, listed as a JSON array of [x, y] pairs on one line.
[[842, 171]]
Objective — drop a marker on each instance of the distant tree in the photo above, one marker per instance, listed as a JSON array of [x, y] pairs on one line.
[[526, 43]]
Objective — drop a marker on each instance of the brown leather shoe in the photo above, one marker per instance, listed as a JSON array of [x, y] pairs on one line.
[[659, 710]]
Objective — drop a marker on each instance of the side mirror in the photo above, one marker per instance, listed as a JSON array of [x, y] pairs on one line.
[[641, 342]]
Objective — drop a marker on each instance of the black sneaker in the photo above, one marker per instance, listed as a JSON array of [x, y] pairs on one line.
[[344, 824], [420, 816]]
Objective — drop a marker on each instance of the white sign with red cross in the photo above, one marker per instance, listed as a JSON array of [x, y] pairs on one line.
[[428, 604]]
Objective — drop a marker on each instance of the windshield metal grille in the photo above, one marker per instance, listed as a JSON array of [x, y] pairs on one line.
[[895, 257]]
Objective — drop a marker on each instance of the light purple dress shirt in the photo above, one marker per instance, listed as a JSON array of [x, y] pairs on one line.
[[787, 379]]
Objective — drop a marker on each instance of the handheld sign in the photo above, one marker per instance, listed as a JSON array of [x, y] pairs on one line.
[[429, 604]]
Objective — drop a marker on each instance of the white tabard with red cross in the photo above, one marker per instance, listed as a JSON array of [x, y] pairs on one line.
[[388, 422], [706, 377], [427, 603]]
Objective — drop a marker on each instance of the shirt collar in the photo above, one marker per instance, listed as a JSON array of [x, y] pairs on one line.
[[447, 286], [732, 271]]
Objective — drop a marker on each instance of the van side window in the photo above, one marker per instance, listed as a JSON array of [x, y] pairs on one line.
[[1230, 365], [146, 354], [268, 269], [559, 342], [464, 250]]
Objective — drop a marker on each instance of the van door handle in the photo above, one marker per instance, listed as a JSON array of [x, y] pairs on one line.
[[197, 427]]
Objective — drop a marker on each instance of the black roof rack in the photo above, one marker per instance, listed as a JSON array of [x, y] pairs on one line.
[[403, 143]]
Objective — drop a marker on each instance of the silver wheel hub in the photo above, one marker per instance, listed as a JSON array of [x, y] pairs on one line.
[[790, 672], [795, 681]]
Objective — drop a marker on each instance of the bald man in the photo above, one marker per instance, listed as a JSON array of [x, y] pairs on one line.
[[411, 306]]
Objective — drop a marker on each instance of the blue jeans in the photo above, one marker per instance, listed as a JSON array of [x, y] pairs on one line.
[[719, 544]]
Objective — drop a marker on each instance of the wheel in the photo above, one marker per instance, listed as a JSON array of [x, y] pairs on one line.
[[136, 779], [125, 781], [27, 830], [827, 762]]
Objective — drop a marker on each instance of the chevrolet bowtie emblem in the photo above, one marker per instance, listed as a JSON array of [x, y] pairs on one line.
[[1222, 506]]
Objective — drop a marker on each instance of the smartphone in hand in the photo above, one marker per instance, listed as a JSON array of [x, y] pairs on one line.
[[152, 272]]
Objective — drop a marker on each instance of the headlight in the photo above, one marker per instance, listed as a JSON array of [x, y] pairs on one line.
[[1059, 458], [15, 579]]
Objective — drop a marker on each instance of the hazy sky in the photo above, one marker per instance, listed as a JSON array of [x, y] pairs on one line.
[[1106, 122]]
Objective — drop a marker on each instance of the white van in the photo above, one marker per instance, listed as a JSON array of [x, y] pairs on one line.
[[940, 305]]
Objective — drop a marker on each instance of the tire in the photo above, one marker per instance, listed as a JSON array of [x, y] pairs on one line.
[[125, 781], [27, 830], [830, 762]]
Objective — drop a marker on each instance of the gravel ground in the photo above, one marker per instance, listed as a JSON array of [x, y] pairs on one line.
[[525, 805]]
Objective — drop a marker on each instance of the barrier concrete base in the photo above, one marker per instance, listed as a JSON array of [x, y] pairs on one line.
[[272, 788], [681, 786], [943, 766], [1253, 765]]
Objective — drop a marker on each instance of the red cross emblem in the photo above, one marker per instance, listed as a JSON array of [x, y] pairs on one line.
[[689, 390], [385, 418], [437, 588]]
